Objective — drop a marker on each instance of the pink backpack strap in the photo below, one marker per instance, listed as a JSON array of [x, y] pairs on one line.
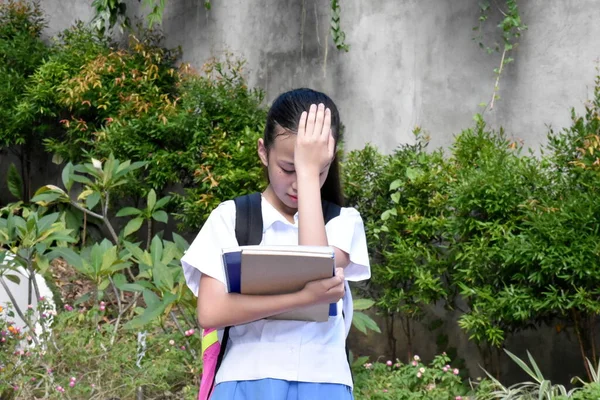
[[211, 348]]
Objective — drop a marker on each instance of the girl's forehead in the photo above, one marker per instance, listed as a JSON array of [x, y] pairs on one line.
[[284, 144]]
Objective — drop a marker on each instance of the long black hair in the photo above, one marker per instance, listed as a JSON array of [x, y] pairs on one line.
[[285, 113]]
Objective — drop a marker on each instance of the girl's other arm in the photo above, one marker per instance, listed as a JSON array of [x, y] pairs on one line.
[[217, 308]]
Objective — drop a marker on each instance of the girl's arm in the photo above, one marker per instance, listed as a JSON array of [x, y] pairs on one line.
[[315, 149], [217, 308]]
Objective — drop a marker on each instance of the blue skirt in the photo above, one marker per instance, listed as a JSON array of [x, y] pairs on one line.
[[276, 389]]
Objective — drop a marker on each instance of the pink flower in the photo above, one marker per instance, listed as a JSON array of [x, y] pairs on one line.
[[93, 386], [445, 369], [49, 371], [189, 332], [182, 347], [3, 340], [458, 398], [29, 338], [384, 390], [60, 389], [68, 308], [455, 372], [368, 365], [42, 299], [72, 383], [419, 375], [414, 363], [29, 306], [422, 370], [397, 365], [73, 379], [389, 363]]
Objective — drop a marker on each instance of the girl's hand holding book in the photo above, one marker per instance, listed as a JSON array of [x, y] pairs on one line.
[[328, 290]]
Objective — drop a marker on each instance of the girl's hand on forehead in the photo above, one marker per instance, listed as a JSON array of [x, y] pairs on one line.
[[315, 146]]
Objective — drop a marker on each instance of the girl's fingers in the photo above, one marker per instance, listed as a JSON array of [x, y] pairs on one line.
[[319, 121], [302, 123], [310, 122], [326, 124]]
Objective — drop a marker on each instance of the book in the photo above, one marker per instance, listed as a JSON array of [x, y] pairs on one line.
[[268, 270]]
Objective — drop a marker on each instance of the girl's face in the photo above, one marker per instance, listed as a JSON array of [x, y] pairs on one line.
[[282, 191]]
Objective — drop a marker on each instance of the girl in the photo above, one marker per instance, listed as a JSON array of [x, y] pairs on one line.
[[271, 359]]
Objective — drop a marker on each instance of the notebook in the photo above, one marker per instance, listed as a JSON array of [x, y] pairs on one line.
[[265, 270]]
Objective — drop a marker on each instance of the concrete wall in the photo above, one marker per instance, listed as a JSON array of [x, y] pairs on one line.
[[410, 63]]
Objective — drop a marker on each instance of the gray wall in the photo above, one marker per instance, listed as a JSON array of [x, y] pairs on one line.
[[410, 63]]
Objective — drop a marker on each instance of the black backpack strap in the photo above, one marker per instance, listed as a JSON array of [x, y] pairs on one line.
[[248, 219], [330, 210]]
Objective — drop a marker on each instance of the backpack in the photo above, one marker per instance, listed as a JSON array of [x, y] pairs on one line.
[[248, 231]]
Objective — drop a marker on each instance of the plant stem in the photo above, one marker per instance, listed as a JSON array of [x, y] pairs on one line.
[[498, 79], [187, 319], [85, 210], [593, 338], [114, 335], [580, 340], [149, 233], [174, 318], [19, 312]]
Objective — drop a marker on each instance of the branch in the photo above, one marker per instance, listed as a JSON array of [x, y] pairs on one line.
[[85, 210], [498, 79], [174, 318]]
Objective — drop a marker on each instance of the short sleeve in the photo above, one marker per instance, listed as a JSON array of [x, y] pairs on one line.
[[204, 256], [347, 233]]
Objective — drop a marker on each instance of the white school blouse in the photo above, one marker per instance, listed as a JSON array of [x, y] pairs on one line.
[[288, 350]]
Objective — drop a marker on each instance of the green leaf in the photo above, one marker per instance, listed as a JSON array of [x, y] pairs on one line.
[[363, 322], [180, 241], [150, 298], [162, 202], [396, 197], [13, 278], [413, 173], [92, 200], [15, 182], [43, 264], [124, 212], [66, 176], [82, 179], [362, 304], [396, 184], [160, 216], [133, 226], [104, 284], [151, 199]]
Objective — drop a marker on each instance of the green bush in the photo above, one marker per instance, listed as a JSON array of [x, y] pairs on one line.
[[80, 360], [412, 381], [515, 235], [21, 52]]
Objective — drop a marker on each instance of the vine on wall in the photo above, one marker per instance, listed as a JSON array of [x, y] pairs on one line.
[[511, 26]]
